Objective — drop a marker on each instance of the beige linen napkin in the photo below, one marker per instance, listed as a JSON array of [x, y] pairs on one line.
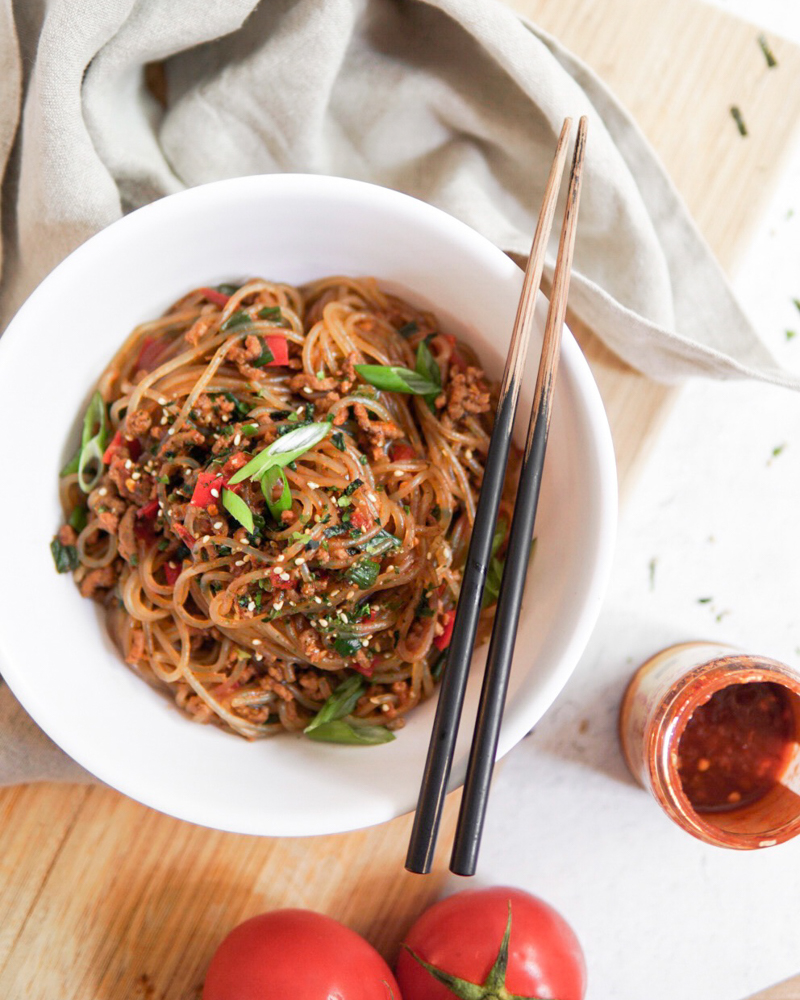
[[457, 102]]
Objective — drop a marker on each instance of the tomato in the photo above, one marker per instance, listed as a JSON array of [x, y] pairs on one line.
[[297, 955], [464, 934]]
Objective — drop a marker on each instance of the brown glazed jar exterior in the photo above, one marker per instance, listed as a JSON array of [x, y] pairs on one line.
[[658, 702]]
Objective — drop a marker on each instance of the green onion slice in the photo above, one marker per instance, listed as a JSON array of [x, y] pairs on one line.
[[340, 703], [268, 481], [284, 450], [343, 732], [237, 508]]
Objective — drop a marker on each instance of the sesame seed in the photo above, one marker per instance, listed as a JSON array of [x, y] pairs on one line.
[[278, 605], [206, 538], [468, 453], [365, 642], [251, 606], [171, 430], [300, 410], [344, 618], [218, 525], [399, 473], [333, 593], [237, 440], [279, 558], [162, 401], [163, 420], [318, 599], [102, 491], [256, 642], [323, 622], [215, 493], [285, 577], [239, 562], [130, 485], [135, 476], [313, 486], [258, 655], [299, 560], [384, 707], [351, 595], [128, 463], [307, 389]]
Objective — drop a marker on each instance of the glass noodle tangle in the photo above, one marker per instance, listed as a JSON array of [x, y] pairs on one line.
[[358, 575]]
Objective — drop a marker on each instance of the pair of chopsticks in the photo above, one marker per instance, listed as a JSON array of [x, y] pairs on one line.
[[498, 666]]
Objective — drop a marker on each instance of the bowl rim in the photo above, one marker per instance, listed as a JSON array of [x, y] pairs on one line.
[[516, 723]]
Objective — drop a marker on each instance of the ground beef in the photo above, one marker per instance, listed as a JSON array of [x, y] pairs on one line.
[[126, 539], [378, 432], [138, 423], [108, 507], [138, 490], [300, 382], [67, 535], [466, 392], [241, 354], [198, 330], [136, 651], [313, 649], [98, 579]]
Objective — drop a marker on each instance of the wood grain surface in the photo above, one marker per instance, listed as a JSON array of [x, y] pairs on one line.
[[102, 898]]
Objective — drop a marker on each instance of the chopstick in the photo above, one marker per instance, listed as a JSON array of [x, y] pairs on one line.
[[451, 694], [504, 633]]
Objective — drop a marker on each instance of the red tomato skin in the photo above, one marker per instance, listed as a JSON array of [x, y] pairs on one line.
[[462, 935], [297, 955]]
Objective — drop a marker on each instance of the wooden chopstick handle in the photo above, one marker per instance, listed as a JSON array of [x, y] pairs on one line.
[[472, 813], [454, 682]]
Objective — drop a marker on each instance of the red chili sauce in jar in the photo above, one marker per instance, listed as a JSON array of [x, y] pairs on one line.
[[736, 746]]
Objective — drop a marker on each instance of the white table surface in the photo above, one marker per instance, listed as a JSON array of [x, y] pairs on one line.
[[660, 915]]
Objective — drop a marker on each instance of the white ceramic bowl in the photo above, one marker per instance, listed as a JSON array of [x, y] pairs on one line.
[[54, 651]]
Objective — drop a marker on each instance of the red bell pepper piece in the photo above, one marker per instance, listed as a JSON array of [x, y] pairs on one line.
[[402, 453], [171, 572], [120, 441], [277, 583], [279, 347], [443, 641], [218, 298], [143, 526], [367, 671]]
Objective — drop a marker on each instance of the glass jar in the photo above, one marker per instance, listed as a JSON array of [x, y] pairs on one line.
[[659, 702]]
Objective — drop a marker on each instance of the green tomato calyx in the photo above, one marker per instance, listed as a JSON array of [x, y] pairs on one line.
[[492, 988]]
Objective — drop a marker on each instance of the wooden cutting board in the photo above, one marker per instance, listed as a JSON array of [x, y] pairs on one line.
[[102, 898]]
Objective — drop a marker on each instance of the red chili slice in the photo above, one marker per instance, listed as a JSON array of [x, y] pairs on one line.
[[402, 453], [443, 641], [366, 671], [149, 510], [218, 298], [279, 347], [119, 441], [171, 572]]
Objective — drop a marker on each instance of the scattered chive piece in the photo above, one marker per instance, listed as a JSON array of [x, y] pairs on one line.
[[796, 304], [78, 519], [736, 114], [408, 328], [769, 55], [777, 450], [364, 573], [338, 440], [239, 318], [64, 556], [704, 600], [342, 732], [237, 508], [270, 312], [652, 569]]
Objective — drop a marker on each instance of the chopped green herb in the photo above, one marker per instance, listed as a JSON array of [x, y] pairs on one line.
[[341, 703], [269, 481], [704, 600], [338, 439], [381, 543], [350, 489], [769, 55], [78, 519], [249, 430], [363, 459], [64, 556], [335, 529], [652, 571], [238, 509], [364, 573], [407, 329], [394, 378], [72, 465], [736, 114], [265, 357], [347, 645], [777, 450], [163, 479], [93, 443], [300, 536], [438, 665], [270, 312], [228, 289], [791, 334], [343, 732], [283, 450], [427, 366], [239, 318]]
